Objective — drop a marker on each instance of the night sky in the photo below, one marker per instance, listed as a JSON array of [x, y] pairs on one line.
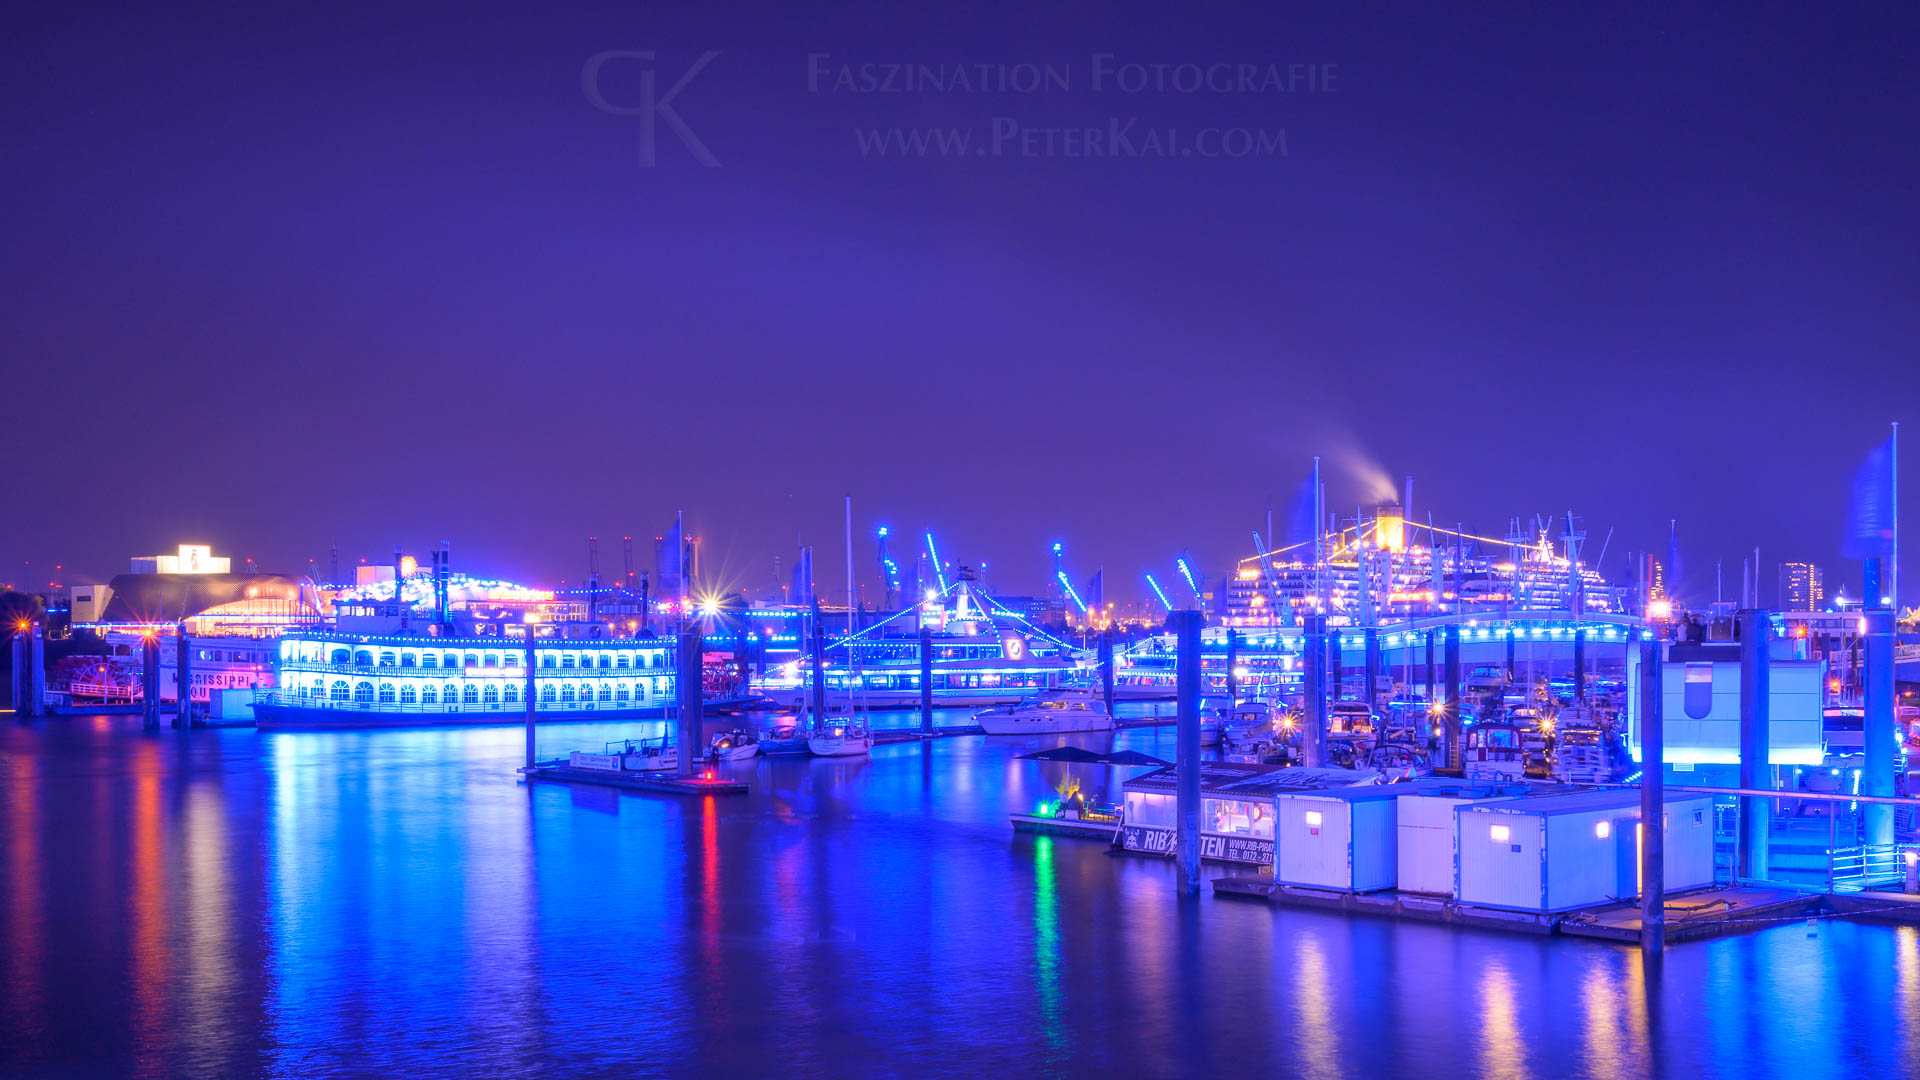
[[366, 273]]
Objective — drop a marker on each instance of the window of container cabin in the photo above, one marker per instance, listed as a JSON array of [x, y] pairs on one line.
[[429, 694], [363, 693], [430, 660], [446, 693], [341, 692], [1262, 816], [491, 695], [546, 660], [546, 695], [470, 694], [492, 660], [566, 693], [606, 691], [1697, 690], [363, 658], [408, 694], [512, 694], [409, 658], [620, 692], [567, 660], [386, 693], [624, 660]]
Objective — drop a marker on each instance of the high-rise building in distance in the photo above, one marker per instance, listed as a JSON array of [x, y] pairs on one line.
[[1802, 587]]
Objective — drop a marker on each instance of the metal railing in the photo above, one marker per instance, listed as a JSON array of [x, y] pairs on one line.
[[1814, 839]]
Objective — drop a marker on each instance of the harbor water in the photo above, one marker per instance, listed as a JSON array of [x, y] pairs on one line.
[[310, 904]]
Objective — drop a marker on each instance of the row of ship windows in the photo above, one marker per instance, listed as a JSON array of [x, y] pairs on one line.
[[608, 660], [365, 693]]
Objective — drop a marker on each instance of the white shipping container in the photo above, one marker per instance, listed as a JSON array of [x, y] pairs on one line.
[[1563, 852], [1341, 838], [230, 703], [1424, 848]]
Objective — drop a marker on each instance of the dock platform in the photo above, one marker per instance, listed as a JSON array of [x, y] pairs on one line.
[[651, 783], [1691, 916], [1054, 826]]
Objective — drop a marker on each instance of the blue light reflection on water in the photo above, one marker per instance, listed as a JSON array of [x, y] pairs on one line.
[[342, 903]]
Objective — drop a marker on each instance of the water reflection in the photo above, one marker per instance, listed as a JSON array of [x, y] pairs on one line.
[[1046, 948], [346, 903], [1319, 1046], [1906, 951], [147, 907], [1502, 1055], [26, 938]]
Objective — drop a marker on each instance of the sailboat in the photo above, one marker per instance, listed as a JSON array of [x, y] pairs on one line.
[[841, 736], [790, 737]]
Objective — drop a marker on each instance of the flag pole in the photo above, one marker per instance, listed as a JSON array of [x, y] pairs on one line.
[[1893, 477]]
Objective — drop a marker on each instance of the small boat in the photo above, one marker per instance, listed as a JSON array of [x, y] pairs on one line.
[[1580, 756], [785, 739], [1350, 718], [1492, 751], [1049, 711], [629, 756], [734, 746], [841, 738], [1253, 727], [1397, 761], [648, 757]]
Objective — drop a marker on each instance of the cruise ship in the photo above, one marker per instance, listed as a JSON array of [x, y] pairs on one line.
[[983, 655], [1377, 570], [330, 679]]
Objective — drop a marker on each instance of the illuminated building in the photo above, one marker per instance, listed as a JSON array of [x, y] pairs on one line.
[[1802, 587], [189, 559], [1653, 579], [231, 621]]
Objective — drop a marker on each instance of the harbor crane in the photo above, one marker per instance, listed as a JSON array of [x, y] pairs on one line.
[[933, 556], [1187, 571], [1060, 575], [1269, 580], [1159, 592]]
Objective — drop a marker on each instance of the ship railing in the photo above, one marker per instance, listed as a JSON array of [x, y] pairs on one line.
[[108, 693]]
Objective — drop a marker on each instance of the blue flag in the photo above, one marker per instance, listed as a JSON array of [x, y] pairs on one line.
[[1870, 516], [1300, 521]]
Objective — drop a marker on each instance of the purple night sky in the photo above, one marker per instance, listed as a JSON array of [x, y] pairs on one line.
[[367, 274]]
